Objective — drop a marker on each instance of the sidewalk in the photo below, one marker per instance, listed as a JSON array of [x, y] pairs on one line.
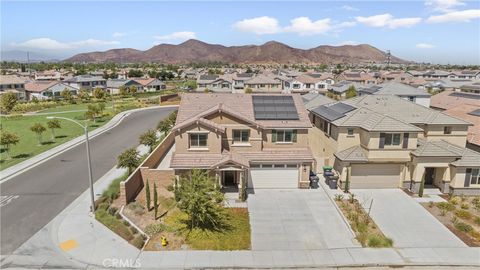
[[14, 170]]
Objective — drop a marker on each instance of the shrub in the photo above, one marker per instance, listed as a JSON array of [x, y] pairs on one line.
[[112, 210], [102, 206], [443, 212], [454, 200], [475, 234], [118, 216], [170, 188], [362, 238], [113, 224], [464, 227], [446, 206], [431, 204], [113, 190], [338, 197], [376, 240], [155, 228], [465, 206], [133, 230], [138, 241], [126, 223], [463, 214], [477, 220]]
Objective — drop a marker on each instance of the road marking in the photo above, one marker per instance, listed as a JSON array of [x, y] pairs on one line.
[[68, 245], [4, 200]]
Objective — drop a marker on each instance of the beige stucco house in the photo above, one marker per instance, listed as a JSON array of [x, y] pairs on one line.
[[253, 141], [383, 141]]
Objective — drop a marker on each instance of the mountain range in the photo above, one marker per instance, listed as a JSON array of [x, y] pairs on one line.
[[272, 52]]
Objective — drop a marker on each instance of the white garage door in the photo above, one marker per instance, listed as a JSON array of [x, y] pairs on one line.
[[375, 175], [273, 178]]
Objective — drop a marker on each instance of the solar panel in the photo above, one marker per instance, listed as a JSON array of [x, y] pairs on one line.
[[465, 95], [274, 108], [475, 112], [327, 113], [341, 108]]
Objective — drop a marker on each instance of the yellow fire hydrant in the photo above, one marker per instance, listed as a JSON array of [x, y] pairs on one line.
[[164, 241]]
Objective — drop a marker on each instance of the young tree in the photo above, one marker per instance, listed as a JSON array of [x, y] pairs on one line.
[[66, 94], [123, 91], [128, 159], [198, 197], [7, 102], [92, 112], [7, 139], [39, 129], [83, 94], [52, 125], [351, 92], [155, 199], [149, 138], [147, 195], [101, 107], [99, 93], [133, 90]]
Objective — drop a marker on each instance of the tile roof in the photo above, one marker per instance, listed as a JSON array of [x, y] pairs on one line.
[[466, 157], [464, 112], [447, 99], [401, 89], [262, 79], [39, 86], [11, 79], [353, 154], [313, 100]]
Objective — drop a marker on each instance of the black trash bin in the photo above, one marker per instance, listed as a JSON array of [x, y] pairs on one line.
[[333, 182]]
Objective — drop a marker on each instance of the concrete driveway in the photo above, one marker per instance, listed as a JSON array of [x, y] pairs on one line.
[[296, 219], [405, 221]]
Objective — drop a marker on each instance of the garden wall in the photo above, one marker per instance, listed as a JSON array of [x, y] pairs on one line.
[[164, 98], [131, 187]]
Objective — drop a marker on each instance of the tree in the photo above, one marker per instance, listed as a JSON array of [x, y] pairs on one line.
[[128, 159], [123, 91], [52, 125], [149, 138], [166, 124], [92, 112], [155, 199], [39, 129], [147, 195], [135, 73], [248, 90], [7, 139], [133, 90], [101, 107], [98, 93], [351, 92], [198, 197], [8, 102], [83, 94], [66, 94]]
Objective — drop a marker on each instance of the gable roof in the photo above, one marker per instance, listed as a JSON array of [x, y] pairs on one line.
[[39, 86], [400, 89], [353, 154], [313, 100], [465, 157]]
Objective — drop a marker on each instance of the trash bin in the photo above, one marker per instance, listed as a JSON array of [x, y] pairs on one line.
[[333, 183]]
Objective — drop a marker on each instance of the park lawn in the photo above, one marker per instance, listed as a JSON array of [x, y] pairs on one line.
[[28, 145], [72, 107]]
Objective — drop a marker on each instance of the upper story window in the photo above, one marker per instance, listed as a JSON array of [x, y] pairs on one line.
[[241, 136], [284, 136], [447, 130], [198, 140], [392, 139], [474, 177], [350, 132]]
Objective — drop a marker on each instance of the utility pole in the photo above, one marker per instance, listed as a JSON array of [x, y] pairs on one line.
[[389, 56]]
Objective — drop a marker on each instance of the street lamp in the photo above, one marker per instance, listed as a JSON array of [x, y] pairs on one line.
[[85, 129]]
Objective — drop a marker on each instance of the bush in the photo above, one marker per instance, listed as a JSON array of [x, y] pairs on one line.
[[113, 190], [465, 206], [463, 214], [379, 241], [464, 227], [155, 228], [431, 204], [133, 230], [454, 200], [138, 242], [170, 188], [112, 210], [446, 206], [338, 197], [475, 234], [113, 224], [477, 220]]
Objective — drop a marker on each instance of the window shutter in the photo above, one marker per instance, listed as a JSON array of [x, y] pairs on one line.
[[274, 135], [294, 135], [382, 141], [468, 173], [405, 140]]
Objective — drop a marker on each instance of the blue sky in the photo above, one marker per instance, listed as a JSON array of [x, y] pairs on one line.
[[437, 31]]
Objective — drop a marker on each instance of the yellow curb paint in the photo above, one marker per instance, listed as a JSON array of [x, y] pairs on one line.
[[68, 245]]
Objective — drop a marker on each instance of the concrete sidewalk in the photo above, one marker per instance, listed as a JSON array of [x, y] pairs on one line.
[[16, 169]]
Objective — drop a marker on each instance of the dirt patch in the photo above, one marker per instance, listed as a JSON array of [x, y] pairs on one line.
[[175, 242]]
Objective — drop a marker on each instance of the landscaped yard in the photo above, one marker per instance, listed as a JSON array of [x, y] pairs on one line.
[[461, 215], [367, 232]]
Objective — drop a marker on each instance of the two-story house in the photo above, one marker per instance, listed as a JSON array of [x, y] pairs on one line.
[[244, 140], [384, 141], [13, 84], [87, 82]]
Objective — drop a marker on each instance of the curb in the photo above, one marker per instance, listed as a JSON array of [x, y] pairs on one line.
[[26, 165]]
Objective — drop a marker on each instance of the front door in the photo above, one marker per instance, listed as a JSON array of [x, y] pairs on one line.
[[229, 178], [429, 176]]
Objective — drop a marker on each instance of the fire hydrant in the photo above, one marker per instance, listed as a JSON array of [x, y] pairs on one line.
[[164, 241]]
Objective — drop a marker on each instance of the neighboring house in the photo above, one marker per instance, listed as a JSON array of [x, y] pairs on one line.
[[313, 100], [436, 74], [49, 75], [462, 105], [264, 83], [446, 84], [215, 83], [465, 74], [87, 82], [384, 141], [113, 85], [47, 89], [404, 91], [239, 80], [150, 84], [340, 88], [13, 84], [398, 76], [309, 82], [360, 77], [253, 140]]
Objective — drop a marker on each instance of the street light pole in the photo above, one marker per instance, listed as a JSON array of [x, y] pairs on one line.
[[90, 178]]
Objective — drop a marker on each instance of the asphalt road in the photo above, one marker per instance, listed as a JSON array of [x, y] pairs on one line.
[[45, 190]]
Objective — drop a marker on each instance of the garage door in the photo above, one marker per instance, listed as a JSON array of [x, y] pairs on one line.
[[273, 178], [375, 176]]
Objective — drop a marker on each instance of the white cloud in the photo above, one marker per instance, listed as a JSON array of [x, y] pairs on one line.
[[424, 46], [349, 8], [52, 44], [345, 24], [118, 34], [455, 16], [176, 36], [387, 20], [304, 26], [347, 42], [443, 5], [259, 25]]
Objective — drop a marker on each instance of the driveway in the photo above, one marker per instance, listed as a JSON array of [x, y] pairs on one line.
[[405, 221], [296, 219]]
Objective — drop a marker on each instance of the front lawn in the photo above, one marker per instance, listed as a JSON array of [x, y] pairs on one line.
[[461, 215]]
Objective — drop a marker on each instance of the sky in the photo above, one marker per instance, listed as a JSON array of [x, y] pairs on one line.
[[435, 31]]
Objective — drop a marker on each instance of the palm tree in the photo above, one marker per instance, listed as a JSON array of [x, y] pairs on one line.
[[7, 139], [39, 129], [129, 159], [52, 125], [149, 138]]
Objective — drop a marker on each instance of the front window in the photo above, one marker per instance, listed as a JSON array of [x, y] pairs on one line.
[[447, 130], [392, 139], [241, 136], [286, 136], [198, 140], [475, 177]]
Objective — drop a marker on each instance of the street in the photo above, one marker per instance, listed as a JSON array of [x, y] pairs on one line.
[[32, 199]]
